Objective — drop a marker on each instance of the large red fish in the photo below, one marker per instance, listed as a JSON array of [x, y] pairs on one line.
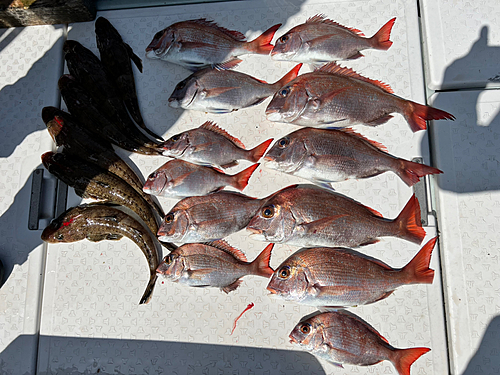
[[342, 337], [340, 96]]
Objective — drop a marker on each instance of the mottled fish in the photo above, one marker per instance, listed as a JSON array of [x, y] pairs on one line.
[[340, 277], [342, 337], [328, 155], [309, 216], [179, 178], [97, 222], [211, 145], [214, 264], [341, 97], [198, 43], [320, 40], [222, 91]]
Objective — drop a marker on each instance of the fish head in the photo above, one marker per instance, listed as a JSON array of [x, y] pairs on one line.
[[68, 227], [286, 155], [273, 223], [172, 266], [176, 145], [306, 335], [287, 46], [161, 43], [156, 182], [184, 93], [174, 226], [71, 46], [289, 281], [288, 103]]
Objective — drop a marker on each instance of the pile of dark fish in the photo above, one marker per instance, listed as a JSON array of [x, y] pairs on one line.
[[100, 95]]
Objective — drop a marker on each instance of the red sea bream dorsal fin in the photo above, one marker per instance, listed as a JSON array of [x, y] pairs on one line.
[[224, 246], [209, 125], [348, 72], [378, 145], [232, 33], [321, 18]]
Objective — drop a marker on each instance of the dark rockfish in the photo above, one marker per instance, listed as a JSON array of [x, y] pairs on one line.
[[342, 97], [342, 337], [339, 277], [98, 222], [65, 131], [81, 106], [309, 216], [215, 264], [328, 155], [91, 75], [209, 217], [116, 56], [196, 44], [223, 91], [211, 145], [91, 181], [179, 178], [320, 40]]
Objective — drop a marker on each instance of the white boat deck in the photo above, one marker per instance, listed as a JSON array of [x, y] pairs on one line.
[[72, 308]]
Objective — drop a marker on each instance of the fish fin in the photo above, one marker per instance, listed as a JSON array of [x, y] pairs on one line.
[[321, 18], [212, 126], [380, 120], [336, 364], [328, 97], [381, 38], [373, 211], [292, 74], [369, 242], [231, 64], [229, 165], [168, 245], [148, 293], [404, 358], [136, 59], [216, 91], [409, 224], [376, 144], [240, 180], [261, 264], [355, 56], [257, 152], [232, 33], [320, 224], [320, 39], [262, 44], [410, 172], [231, 287], [324, 184], [334, 68], [416, 115], [418, 268], [383, 296], [224, 246], [199, 273]]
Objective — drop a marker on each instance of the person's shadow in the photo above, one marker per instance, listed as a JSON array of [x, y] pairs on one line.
[[468, 149], [486, 360]]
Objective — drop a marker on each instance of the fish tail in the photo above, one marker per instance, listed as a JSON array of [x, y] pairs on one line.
[[240, 180], [404, 358], [148, 293], [381, 39], [260, 265], [292, 74], [418, 270], [408, 222], [410, 172], [262, 45], [256, 153], [416, 115]]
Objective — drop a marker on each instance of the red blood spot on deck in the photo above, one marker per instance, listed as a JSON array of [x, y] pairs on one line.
[[250, 305]]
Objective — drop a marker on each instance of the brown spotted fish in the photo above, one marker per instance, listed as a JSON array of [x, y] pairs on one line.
[[342, 337], [320, 40], [341, 97], [309, 216], [328, 155], [340, 277], [214, 264], [196, 44], [212, 146]]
